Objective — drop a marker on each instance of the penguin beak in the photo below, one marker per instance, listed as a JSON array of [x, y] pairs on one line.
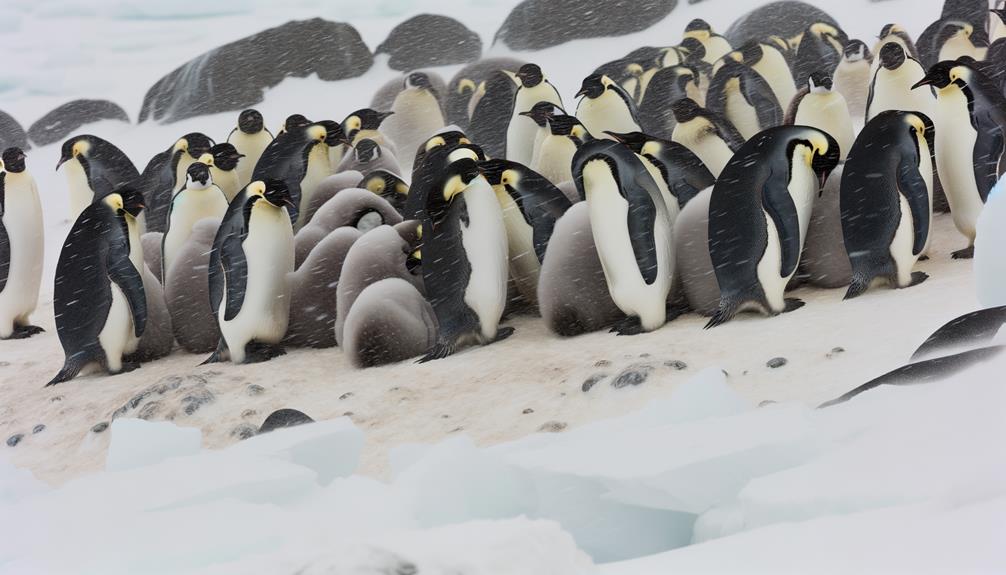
[[616, 136], [382, 116], [62, 161], [582, 92], [927, 81]]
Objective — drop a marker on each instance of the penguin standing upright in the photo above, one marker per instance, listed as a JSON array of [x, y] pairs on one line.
[[818, 106], [521, 130], [853, 77], [491, 114], [970, 136], [891, 88], [554, 159], [250, 138], [820, 50], [768, 61], [251, 257], [742, 96], [632, 230], [758, 216], [200, 198], [165, 173], [93, 168], [540, 113], [957, 39], [464, 257], [432, 159], [716, 46], [606, 107], [417, 114], [21, 246], [666, 87], [98, 297], [898, 35], [709, 136], [887, 200], [223, 160], [679, 168]]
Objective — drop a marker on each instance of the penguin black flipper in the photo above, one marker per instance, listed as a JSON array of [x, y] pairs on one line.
[[642, 217], [760, 96], [988, 151], [124, 274], [542, 204], [916, 192], [228, 268], [235, 269], [780, 207], [4, 236], [686, 174]]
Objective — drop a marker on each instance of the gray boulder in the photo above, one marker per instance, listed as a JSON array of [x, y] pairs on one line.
[[430, 40], [538, 24], [68, 118], [786, 19], [11, 133]]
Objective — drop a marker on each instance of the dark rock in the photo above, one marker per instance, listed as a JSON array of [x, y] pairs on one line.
[[528, 411], [170, 383], [456, 430], [284, 418], [785, 19], [457, 97], [38, 429], [348, 414], [634, 375], [676, 364], [835, 351], [777, 362], [553, 426], [68, 118], [55, 398], [430, 40], [99, 427], [538, 24], [149, 410], [445, 416], [196, 399], [602, 363], [244, 431], [592, 381], [346, 395], [644, 355], [11, 133], [248, 413], [255, 389], [767, 403], [13, 440], [234, 76]]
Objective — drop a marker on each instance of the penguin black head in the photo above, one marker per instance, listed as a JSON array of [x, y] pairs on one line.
[[418, 80], [825, 153], [632, 140], [695, 50], [530, 75], [889, 29], [856, 50], [195, 144], [892, 56], [12, 160], [593, 86], [459, 174], [331, 133], [749, 54], [365, 119], [449, 140], [250, 122], [686, 110], [366, 150], [275, 192], [294, 121], [819, 82], [77, 147], [951, 28], [198, 173], [942, 74], [542, 111], [132, 199], [225, 156], [642, 59], [698, 25]]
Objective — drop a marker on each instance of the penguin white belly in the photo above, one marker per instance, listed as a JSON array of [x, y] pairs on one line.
[[265, 311], [81, 194], [539, 137], [828, 112], [485, 244], [926, 170], [252, 147], [955, 144], [710, 148], [893, 91], [803, 188], [187, 209], [606, 113], [716, 48], [318, 169], [23, 221], [555, 159], [524, 265], [904, 241], [227, 182], [742, 115], [670, 202], [777, 74], [630, 292], [117, 336], [520, 132], [335, 155], [770, 269]]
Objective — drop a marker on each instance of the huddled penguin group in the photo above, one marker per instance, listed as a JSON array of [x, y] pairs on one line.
[[700, 177]]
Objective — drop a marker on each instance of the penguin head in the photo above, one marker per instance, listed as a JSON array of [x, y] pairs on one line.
[[890, 30], [328, 132], [466, 86], [76, 148], [195, 144], [418, 80], [383, 182], [922, 128], [632, 140], [686, 110], [541, 112], [642, 59], [698, 29], [892, 56], [275, 192], [225, 156], [856, 51], [365, 119], [819, 83], [366, 150], [945, 73], [132, 200], [12, 160], [695, 51], [114, 202], [960, 29], [593, 86], [499, 172], [294, 121], [821, 153], [749, 54], [459, 174], [530, 75], [250, 122], [570, 126], [449, 139], [198, 176]]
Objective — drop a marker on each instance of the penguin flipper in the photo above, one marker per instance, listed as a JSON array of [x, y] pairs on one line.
[[916, 192], [4, 245], [642, 216], [235, 274], [759, 95], [71, 367], [780, 207], [122, 272], [987, 152]]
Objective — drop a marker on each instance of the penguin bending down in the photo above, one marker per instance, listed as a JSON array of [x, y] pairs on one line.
[[464, 258], [708, 135], [606, 106], [99, 301], [165, 174], [758, 217], [417, 114], [21, 246], [432, 159], [818, 106], [887, 200], [682, 171], [200, 198], [368, 155], [93, 169], [632, 230], [742, 96], [251, 258], [853, 77], [250, 138], [521, 130], [970, 140], [361, 124], [555, 154], [891, 88], [768, 60], [387, 185]]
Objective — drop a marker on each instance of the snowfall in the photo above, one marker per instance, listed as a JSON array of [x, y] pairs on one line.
[[496, 460]]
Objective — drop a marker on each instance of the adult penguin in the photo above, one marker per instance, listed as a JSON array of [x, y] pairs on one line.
[[898, 35], [886, 200], [682, 171], [431, 159], [708, 135], [464, 258], [853, 77], [666, 87], [632, 229], [554, 159], [742, 96], [820, 50], [417, 114], [767, 59], [489, 119], [251, 258], [541, 113], [818, 106], [464, 84], [362, 124], [520, 135], [93, 167], [98, 296], [692, 54], [758, 216], [199, 198], [605, 106], [389, 186], [716, 46], [634, 70], [891, 88], [223, 160], [22, 245], [165, 174], [250, 138], [970, 124], [950, 38]]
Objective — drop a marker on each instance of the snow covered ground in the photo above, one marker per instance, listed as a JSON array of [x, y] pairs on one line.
[[438, 467]]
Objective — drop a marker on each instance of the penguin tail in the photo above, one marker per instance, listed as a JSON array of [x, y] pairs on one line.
[[860, 283], [440, 350], [71, 367], [728, 309], [218, 355]]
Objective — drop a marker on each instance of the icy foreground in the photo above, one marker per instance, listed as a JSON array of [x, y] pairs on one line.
[[906, 479]]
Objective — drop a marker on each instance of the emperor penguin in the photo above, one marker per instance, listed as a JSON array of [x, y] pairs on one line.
[[292, 122], [554, 159], [666, 87], [853, 77], [223, 160], [165, 173], [463, 85], [633, 71], [681, 170], [606, 107], [742, 96], [251, 258], [431, 160], [767, 59], [199, 198], [491, 114], [361, 124], [464, 257], [692, 54], [887, 200], [709, 136], [821, 107], [758, 216], [531, 205], [541, 113], [897, 34], [891, 88], [632, 230], [820, 50], [369, 155], [250, 138], [22, 245], [417, 114], [970, 124], [389, 186], [958, 38], [98, 296], [716, 46], [93, 167], [521, 130]]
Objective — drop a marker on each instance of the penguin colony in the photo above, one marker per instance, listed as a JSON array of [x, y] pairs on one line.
[[697, 177]]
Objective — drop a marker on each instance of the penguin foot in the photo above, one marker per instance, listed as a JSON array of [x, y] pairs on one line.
[[629, 326], [25, 331], [917, 278], [256, 352], [503, 333], [965, 254], [793, 304], [127, 366], [440, 350]]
